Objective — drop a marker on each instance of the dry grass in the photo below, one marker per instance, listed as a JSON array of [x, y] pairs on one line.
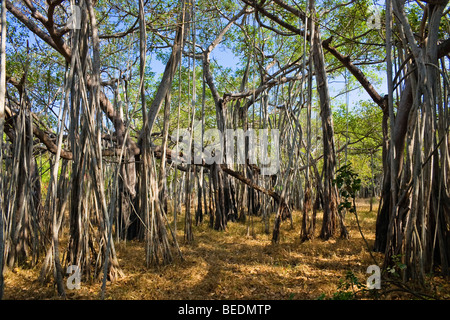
[[229, 265]]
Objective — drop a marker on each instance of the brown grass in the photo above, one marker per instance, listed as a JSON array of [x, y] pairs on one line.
[[230, 265]]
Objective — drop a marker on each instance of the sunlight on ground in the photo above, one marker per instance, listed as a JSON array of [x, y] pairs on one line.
[[228, 265]]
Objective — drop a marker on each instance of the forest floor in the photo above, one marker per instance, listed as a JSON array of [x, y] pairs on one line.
[[234, 265]]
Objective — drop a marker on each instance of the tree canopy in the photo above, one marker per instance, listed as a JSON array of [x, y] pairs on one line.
[[97, 96]]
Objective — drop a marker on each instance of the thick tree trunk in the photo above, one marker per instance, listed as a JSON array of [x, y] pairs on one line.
[[330, 214], [408, 223], [2, 123]]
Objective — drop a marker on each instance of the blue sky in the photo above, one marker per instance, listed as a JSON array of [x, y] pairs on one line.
[[227, 59]]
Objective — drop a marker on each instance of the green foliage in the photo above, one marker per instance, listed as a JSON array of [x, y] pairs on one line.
[[348, 289], [360, 127], [397, 266], [322, 297], [348, 184]]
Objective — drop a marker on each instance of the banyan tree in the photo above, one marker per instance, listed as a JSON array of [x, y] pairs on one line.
[[91, 155]]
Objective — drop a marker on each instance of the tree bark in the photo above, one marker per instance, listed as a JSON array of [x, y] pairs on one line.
[[330, 214], [2, 123]]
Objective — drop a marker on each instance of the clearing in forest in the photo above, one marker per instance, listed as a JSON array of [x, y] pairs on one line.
[[232, 265]]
